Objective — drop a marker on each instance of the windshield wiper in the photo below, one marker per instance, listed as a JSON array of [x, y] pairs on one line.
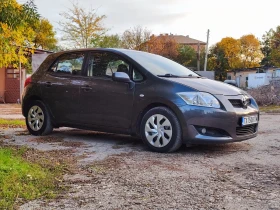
[[168, 75], [183, 76]]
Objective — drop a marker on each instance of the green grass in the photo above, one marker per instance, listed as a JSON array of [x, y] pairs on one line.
[[21, 181], [12, 123], [270, 108]]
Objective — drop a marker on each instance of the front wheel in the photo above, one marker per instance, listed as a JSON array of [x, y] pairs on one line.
[[38, 120], [161, 130]]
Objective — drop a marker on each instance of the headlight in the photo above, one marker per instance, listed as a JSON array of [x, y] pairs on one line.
[[200, 99]]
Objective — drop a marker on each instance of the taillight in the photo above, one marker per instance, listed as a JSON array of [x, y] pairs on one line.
[[27, 81]]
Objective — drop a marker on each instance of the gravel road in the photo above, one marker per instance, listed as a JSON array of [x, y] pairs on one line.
[[117, 172]]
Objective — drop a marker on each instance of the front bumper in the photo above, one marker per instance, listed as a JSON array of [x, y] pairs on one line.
[[224, 124]]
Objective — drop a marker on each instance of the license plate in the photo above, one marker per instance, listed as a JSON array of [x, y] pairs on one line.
[[249, 120]]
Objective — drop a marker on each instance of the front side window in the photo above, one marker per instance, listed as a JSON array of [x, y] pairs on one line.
[[69, 64], [136, 76], [103, 64]]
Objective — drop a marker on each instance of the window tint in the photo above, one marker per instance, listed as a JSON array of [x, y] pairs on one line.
[[105, 64], [69, 64]]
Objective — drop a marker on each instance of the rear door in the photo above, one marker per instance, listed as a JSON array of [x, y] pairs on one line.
[[61, 87], [105, 102]]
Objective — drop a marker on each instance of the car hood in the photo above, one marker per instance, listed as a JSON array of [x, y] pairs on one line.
[[208, 85]]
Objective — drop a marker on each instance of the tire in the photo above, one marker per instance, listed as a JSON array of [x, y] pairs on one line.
[[160, 130], [38, 119]]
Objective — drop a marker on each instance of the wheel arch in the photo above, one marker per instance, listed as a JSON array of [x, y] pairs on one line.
[[150, 106], [28, 100], [26, 103]]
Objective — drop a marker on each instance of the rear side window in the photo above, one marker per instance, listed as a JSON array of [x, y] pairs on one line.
[[71, 64]]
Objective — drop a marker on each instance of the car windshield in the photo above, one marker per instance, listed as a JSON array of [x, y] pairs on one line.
[[160, 66]]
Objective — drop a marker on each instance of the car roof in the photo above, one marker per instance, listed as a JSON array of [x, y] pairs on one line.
[[125, 51]]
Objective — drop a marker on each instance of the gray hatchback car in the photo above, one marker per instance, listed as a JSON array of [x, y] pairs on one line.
[[136, 93]]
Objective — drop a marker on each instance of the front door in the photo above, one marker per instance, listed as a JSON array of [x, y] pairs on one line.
[[61, 87], [105, 102]]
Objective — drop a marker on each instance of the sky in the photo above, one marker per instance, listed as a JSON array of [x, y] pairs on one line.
[[223, 18]]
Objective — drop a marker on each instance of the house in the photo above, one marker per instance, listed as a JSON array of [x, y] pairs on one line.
[[186, 40], [12, 82], [183, 41], [241, 76]]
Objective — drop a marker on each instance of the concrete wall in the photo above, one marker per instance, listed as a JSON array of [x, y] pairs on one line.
[[258, 80]]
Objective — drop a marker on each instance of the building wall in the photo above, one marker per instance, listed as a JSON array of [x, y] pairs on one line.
[[2, 79], [2, 83], [240, 77]]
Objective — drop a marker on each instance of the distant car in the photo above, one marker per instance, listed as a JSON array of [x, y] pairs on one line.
[[136, 93], [231, 82]]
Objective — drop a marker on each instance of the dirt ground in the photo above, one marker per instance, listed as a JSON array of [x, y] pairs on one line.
[[117, 172]]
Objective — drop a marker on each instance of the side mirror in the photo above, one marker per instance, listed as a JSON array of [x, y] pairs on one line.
[[123, 77]]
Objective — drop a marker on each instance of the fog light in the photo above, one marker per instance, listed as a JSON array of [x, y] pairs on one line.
[[203, 130]]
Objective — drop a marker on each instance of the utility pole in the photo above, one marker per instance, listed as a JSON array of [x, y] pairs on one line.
[[206, 52], [198, 56]]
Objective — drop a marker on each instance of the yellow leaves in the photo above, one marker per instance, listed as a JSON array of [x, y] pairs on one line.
[[231, 49], [45, 36], [81, 26], [240, 53], [251, 54], [12, 44]]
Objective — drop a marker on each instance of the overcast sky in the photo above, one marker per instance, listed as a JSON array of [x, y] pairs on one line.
[[182, 17]]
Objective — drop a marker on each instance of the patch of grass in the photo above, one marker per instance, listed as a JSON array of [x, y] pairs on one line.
[[22, 180], [270, 108], [12, 123]]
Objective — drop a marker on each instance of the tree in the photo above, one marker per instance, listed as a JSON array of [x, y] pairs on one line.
[[271, 48], [231, 50], [275, 47], [251, 54], [135, 37], [218, 62], [186, 56], [162, 45], [108, 41], [45, 36], [16, 31], [80, 27], [266, 48]]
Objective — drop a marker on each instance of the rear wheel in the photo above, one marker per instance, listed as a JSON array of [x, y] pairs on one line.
[[161, 130], [38, 120]]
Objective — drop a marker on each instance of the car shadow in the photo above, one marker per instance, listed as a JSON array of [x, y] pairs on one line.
[[117, 141]]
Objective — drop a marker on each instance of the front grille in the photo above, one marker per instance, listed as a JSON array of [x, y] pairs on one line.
[[236, 103], [246, 130]]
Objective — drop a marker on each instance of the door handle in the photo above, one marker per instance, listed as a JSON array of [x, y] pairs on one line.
[[48, 84], [86, 88]]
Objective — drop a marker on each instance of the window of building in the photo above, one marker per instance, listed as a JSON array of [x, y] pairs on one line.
[[12, 73]]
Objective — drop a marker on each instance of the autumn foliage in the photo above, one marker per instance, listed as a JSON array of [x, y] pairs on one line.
[[162, 45], [21, 31]]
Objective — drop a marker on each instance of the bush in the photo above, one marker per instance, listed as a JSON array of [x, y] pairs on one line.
[[266, 95]]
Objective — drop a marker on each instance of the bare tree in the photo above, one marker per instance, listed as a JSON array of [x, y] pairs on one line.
[[81, 26], [135, 37]]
